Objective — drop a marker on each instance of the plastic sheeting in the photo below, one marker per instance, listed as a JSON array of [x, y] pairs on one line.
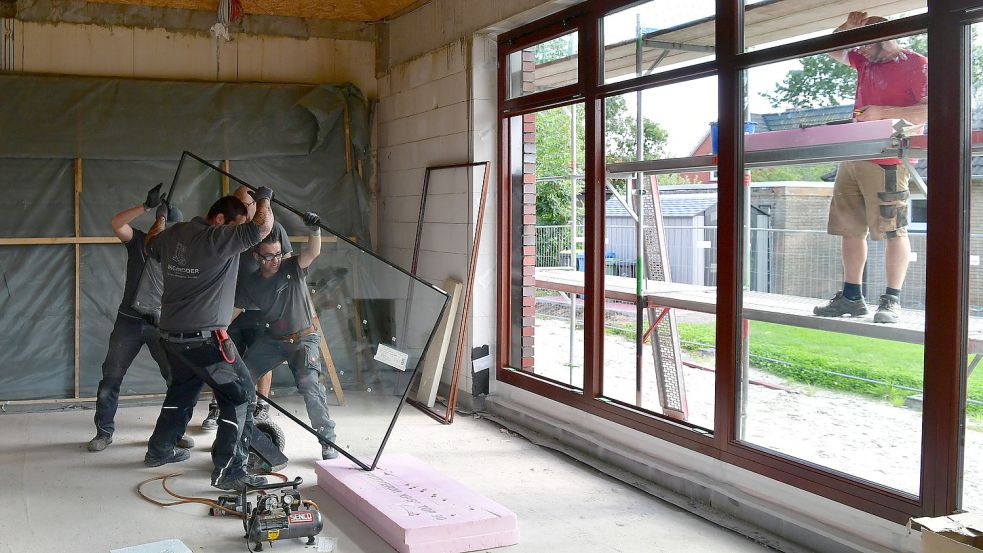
[[37, 323], [130, 135]]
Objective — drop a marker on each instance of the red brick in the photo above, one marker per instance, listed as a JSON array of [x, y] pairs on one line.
[[529, 250], [529, 118], [529, 127], [529, 178], [529, 312], [529, 219], [528, 331]]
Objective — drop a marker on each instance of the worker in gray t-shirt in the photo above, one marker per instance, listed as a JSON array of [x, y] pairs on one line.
[[200, 262], [277, 293], [246, 328]]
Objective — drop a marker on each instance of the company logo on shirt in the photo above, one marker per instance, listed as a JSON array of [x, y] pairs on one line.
[[180, 255]]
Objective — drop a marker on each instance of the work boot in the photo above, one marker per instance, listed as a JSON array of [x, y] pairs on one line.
[[888, 310], [328, 452], [239, 484], [186, 442], [262, 412], [211, 421], [840, 305], [176, 455], [100, 442]]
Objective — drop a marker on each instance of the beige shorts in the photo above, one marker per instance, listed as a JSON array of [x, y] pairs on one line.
[[868, 196]]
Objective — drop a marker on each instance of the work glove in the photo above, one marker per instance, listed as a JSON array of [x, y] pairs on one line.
[[262, 193], [161, 207], [311, 219], [153, 197]]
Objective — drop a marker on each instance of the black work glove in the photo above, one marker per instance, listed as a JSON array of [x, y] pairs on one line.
[[153, 197], [262, 193], [311, 219], [161, 207]]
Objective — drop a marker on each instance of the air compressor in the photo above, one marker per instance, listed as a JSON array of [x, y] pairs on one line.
[[275, 517]]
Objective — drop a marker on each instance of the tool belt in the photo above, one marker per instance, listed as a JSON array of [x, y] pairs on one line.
[[291, 338]]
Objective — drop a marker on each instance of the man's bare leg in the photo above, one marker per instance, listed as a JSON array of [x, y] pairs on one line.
[[263, 386], [897, 252], [854, 258]]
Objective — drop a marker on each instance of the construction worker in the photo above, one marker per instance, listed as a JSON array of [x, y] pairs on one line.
[[131, 330], [200, 261], [278, 293], [245, 328], [871, 196]]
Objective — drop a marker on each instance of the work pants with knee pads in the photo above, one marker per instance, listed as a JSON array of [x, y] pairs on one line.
[[194, 364]]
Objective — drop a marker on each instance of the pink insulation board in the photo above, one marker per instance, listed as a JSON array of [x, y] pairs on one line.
[[415, 508]]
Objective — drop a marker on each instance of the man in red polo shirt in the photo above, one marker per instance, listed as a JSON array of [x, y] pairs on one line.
[[872, 195]]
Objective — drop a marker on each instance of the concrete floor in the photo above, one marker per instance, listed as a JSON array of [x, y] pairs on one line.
[[55, 496]]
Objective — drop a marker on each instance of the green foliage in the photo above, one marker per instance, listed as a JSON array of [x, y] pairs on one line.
[[808, 173], [810, 356], [822, 81], [554, 156]]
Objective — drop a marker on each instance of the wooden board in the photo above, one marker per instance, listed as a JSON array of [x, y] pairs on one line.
[[433, 363]]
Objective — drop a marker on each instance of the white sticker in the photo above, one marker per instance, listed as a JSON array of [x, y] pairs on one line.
[[914, 257], [391, 356], [326, 544], [974, 260], [703, 245]]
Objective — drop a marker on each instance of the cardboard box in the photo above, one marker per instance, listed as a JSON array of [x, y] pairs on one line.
[[960, 533]]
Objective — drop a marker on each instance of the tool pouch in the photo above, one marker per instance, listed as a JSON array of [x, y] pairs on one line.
[[225, 345]]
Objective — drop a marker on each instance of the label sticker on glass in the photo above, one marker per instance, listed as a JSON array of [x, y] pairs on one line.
[[392, 357]]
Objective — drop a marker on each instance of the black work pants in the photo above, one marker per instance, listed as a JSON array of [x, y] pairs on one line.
[[129, 335], [194, 364]]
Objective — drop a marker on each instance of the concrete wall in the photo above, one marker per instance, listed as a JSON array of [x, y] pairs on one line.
[[116, 51]]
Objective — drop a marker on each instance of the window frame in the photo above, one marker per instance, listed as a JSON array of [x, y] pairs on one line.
[[946, 294]]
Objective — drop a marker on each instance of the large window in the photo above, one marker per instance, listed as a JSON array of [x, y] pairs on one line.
[[735, 252]]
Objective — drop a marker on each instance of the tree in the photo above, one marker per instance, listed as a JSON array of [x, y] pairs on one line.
[[554, 162]]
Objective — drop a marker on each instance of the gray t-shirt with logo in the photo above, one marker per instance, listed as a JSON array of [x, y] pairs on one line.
[[200, 264], [280, 299]]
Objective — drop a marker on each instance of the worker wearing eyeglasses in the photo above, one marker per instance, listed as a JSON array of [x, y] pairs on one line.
[[278, 292]]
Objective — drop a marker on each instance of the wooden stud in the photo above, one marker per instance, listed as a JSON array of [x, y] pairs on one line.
[[226, 165], [78, 276], [328, 361]]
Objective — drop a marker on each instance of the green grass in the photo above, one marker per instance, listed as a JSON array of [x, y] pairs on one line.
[[808, 356]]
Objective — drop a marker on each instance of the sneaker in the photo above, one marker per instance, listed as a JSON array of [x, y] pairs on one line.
[[100, 442], [211, 421], [239, 484], [262, 412], [186, 442], [328, 452], [176, 455], [840, 305], [888, 310]]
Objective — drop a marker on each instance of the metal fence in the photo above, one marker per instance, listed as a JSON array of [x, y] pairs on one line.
[[791, 262]]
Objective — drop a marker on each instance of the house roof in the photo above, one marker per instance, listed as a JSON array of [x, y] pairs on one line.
[[673, 205], [795, 118], [686, 205]]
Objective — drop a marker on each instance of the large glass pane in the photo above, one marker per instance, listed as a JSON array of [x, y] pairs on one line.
[[834, 266], [544, 66], [660, 247], [547, 153], [972, 477], [770, 23], [656, 36], [376, 322]]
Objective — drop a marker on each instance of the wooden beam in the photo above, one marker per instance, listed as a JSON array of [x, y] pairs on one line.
[[78, 276], [226, 165]]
